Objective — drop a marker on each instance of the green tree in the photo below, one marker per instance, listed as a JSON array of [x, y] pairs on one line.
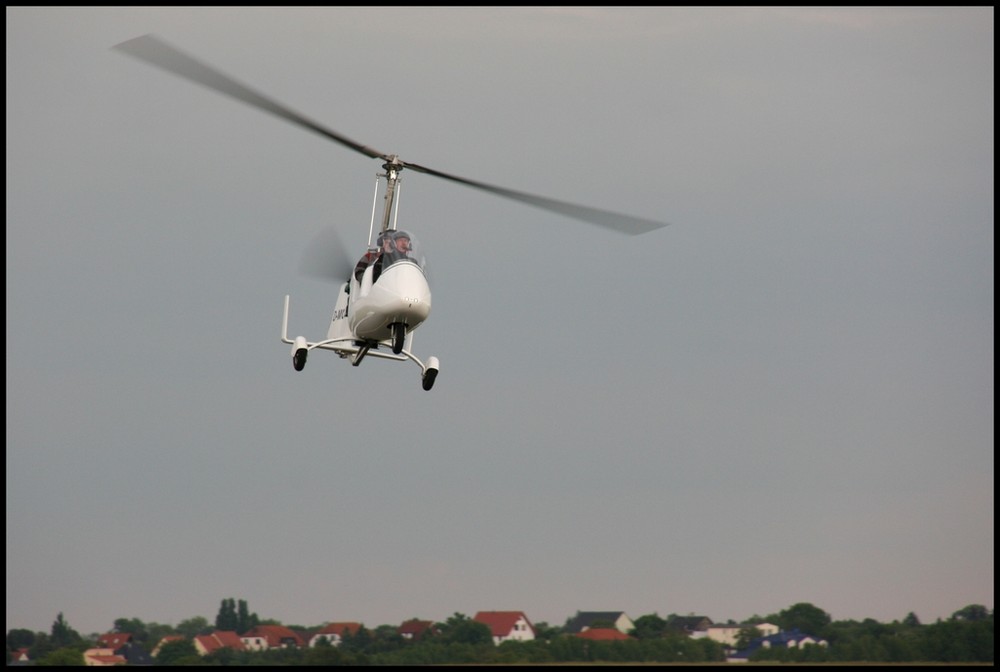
[[359, 642], [808, 618], [174, 653], [386, 639], [134, 627], [42, 646], [546, 632], [271, 621], [649, 626], [19, 638], [460, 629], [956, 640], [226, 656], [245, 621], [973, 612], [62, 634], [157, 631], [227, 618], [324, 653], [63, 657], [191, 627], [911, 620], [746, 635]]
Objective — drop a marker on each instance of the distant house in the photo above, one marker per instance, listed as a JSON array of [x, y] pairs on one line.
[[506, 625], [584, 620], [414, 629], [122, 644], [334, 632], [689, 624], [789, 639], [114, 640], [263, 637], [19, 656], [603, 635], [220, 639], [728, 634], [102, 657]]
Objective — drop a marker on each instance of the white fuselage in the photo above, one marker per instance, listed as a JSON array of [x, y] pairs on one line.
[[399, 295]]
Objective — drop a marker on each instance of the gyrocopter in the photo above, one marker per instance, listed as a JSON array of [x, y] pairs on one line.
[[385, 297]]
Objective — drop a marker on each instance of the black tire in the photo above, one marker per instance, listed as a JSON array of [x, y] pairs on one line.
[[429, 378], [398, 337], [299, 359]]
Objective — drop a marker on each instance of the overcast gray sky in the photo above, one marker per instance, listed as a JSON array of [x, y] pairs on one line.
[[785, 396]]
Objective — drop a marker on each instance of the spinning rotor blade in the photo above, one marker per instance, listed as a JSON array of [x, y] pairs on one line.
[[612, 220], [156, 52]]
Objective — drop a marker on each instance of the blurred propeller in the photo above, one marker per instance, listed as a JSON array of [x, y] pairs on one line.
[[327, 258], [154, 51]]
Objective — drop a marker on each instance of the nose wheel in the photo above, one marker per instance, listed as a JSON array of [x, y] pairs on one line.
[[398, 336], [299, 359]]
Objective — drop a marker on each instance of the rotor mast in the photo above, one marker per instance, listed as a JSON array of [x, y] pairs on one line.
[[392, 167]]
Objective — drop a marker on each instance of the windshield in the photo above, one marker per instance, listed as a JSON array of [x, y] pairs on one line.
[[400, 246]]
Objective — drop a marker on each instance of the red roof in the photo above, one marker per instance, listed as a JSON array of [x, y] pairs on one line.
[[100, 659], [220, 639], [603, 634], [228, 639], [501, 623], [102, 656], [350, 627], [114, 640], [414, 627]]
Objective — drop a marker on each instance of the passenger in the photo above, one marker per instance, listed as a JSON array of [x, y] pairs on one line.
[[374, 254], [363, 263]]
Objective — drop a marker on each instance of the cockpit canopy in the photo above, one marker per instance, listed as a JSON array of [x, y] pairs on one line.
[[397, 246]]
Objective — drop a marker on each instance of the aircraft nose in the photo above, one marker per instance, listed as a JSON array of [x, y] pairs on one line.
[[406, 282]]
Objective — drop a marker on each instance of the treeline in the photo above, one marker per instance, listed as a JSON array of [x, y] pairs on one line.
[[965, 637]]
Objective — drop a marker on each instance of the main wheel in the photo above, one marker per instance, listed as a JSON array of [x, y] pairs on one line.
[[429, 377], [398, 336], [299, 359]]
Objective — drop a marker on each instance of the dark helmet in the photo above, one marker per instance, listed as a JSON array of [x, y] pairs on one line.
[[401, 234]]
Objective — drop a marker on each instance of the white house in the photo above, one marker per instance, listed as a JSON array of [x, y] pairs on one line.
[[334, 632], [507, 625], [584, 620], [728, 633], [789, 639]]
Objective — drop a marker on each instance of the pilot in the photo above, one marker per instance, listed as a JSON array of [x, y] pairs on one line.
[[402, 241]]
